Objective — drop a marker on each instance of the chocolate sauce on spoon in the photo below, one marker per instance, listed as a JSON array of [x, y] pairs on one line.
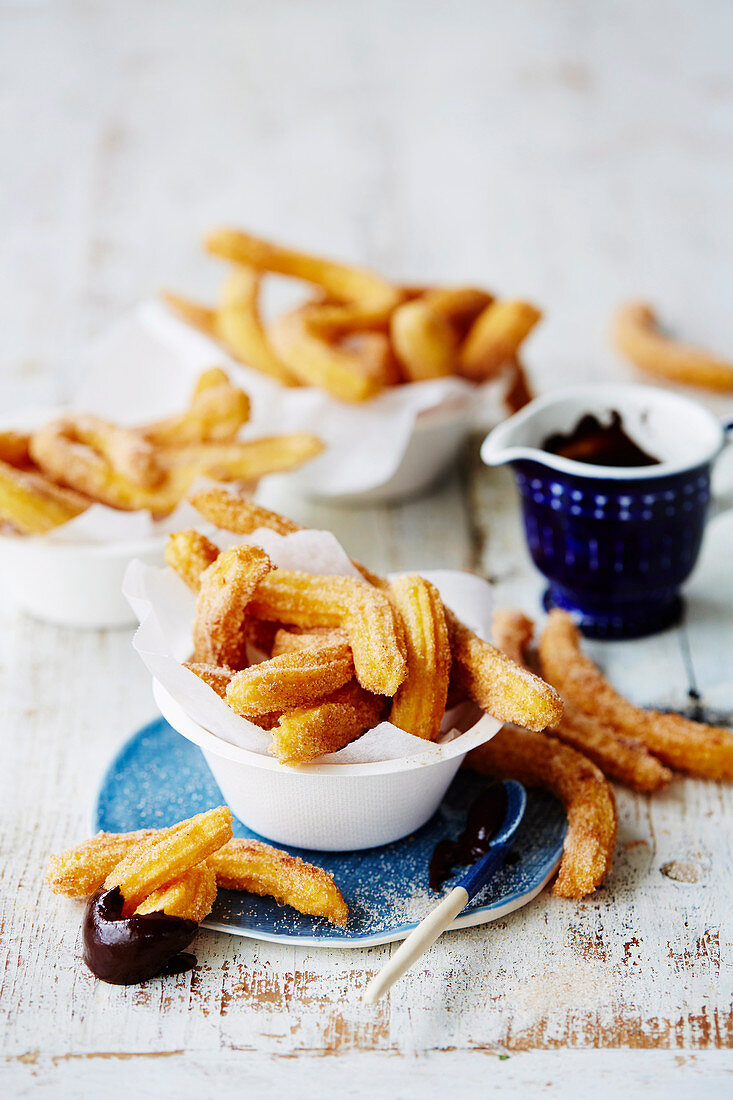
[[484, 820], [600, 444], [125, 950]]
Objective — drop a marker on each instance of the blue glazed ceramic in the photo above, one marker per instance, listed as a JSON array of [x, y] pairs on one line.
[[615, 544], [159, 777]]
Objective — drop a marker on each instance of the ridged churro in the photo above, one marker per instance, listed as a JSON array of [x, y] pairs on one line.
[[617, 755], [541, 761], [217, 677], [81, 870], [217, 411], [366, 615], [497, 684], [679, 742], [158, 860], [304, 733], [294, 679], [291, 641], [226, 589], [260, 869], [232, 511], [191, 896], [419, 705], [239, 326], [190, 553]]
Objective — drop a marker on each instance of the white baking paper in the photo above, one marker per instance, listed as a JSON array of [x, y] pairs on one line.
[[165, 606]]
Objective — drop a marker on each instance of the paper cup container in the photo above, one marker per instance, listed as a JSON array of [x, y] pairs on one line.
[[74, 585], [328, 807]]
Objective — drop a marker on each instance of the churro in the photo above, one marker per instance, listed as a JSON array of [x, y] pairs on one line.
[[81, 870], [191, 896], [190, 553], [495, 337], [239, 326], [260, 869], [225, 590], [618, 756], [32, 504], [678, 742], [419, 705], [158, 860], [541, 761], [497, 684], [304, 733], [294, 679], [424, 341], [366, 615], [217, 411], [636, 334], [234, 512]]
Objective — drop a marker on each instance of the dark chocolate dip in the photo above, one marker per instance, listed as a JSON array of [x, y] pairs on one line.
[[600, 444], [125, 950], [484, 820]]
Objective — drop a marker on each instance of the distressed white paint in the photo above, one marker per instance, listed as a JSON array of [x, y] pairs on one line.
[[572, 153]]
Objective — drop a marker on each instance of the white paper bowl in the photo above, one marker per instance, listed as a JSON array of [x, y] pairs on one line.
[[73, 585], [328, 807], [432, 450]]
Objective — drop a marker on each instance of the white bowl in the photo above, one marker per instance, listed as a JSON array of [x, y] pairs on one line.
[[74, 585], [328, 807]]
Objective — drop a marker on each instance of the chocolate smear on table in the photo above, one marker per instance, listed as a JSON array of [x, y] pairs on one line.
[[599, 444], [484, 820], [125, 950]]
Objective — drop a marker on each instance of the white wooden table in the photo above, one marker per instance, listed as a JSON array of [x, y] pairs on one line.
[[574, 154]]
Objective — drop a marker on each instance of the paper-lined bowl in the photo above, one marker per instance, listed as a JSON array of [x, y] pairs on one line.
[[329, 807], [382, 786]]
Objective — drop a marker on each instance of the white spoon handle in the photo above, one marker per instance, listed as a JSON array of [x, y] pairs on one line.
[[417, 943]]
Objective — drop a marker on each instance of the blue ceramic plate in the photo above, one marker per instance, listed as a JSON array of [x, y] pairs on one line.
[[159, 778]]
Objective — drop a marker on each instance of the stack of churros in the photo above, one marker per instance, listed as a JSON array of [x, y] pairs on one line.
[[359, 333], [176, 872], [319, 660], [599, 734], [51, 475]]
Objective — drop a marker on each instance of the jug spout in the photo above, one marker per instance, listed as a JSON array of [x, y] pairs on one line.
[[503, 447]]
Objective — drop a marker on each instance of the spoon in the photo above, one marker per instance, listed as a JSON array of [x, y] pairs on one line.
[[428, 930]]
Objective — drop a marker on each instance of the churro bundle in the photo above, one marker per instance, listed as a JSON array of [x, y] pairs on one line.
[[51, 475], [149, 890], [319, 660], [360, 333]]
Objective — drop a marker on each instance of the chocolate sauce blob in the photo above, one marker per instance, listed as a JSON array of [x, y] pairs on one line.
[[484, 820], [600, 444], [125, 950]]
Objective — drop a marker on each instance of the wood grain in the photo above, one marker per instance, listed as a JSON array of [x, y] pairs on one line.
[[524, 147]]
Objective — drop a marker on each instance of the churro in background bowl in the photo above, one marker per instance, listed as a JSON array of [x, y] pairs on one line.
[[333, 706], [391, 377], [82, 495]]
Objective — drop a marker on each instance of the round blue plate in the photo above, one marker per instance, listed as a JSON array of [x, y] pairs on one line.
[[159, 777]]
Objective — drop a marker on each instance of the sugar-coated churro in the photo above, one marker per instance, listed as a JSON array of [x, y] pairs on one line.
[[160, 859], [366, 615], [239, 326], [291, 641], [260, 869], [226, 589], [617, 755], [497, 684], [191, 896], [679, 742], [217, 411], [232, 511], [419, 705], [81, 870], [304, 733], [294, 679], [190, 553], [538, 760]]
